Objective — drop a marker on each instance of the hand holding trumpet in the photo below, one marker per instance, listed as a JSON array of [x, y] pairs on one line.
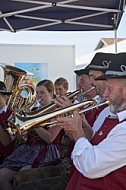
[[72, 125], [76, 124]]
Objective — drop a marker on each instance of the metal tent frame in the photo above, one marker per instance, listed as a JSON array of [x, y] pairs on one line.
[[61, 15]]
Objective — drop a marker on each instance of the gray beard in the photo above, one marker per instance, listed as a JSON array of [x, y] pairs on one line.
[[117, 108]]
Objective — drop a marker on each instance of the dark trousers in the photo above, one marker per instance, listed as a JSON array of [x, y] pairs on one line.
[[52, 183], [51, 177]]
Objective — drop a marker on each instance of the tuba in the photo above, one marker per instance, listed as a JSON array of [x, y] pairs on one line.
[[13, 77]]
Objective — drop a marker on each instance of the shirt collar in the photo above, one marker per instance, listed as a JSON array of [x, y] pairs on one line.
[[122, 115], [99, 99], [4, 109]]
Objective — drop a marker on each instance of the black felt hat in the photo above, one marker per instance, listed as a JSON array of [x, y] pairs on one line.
[[117, 68], [84, 71], [3, 89], [101, 61]]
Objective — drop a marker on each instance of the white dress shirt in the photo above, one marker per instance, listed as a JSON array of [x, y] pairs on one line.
[[109, 155]]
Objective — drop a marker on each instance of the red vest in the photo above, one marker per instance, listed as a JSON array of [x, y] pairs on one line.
[[92, 115], [115, 180], [6, 150]]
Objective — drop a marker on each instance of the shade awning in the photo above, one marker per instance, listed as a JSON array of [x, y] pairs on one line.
[[58, 15]]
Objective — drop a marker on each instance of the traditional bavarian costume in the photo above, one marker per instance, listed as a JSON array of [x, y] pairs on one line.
[[111, 180], [35, 152], [91, 117], [6, 114]]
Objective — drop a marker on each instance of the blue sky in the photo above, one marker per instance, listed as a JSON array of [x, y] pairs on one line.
[[84, 42]]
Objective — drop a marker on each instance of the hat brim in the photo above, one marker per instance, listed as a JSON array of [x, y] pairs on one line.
[[81, 72], [104, 77], [5, 93]]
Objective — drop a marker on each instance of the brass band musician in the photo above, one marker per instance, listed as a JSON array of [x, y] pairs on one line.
[[7, 142]]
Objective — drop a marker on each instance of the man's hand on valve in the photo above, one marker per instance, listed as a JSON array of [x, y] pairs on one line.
[[72, 125]]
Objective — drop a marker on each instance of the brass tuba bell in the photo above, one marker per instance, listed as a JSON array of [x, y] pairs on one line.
[[13, 77]]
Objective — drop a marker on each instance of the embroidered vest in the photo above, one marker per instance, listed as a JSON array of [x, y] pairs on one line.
[[112, 181]]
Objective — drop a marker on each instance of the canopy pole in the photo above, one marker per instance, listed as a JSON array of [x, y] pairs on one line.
[[115, 32], [115, 40]]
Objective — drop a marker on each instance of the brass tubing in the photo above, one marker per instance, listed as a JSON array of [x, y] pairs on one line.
[[95, 105], [52, 105], [25, 123]]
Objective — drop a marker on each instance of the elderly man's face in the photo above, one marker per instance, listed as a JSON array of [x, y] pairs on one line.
[[115, 92], [84, 82], [98, 84]]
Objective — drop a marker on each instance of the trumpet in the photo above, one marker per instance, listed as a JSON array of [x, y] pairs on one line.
[[52, 105], [25, 123]]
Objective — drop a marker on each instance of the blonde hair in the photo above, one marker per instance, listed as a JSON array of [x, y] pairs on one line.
[[61, 81]]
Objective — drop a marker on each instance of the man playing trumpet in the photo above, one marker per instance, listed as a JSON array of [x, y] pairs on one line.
[[100, 163]]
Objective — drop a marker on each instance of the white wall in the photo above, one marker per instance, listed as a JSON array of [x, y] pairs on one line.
[[60, 59]]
